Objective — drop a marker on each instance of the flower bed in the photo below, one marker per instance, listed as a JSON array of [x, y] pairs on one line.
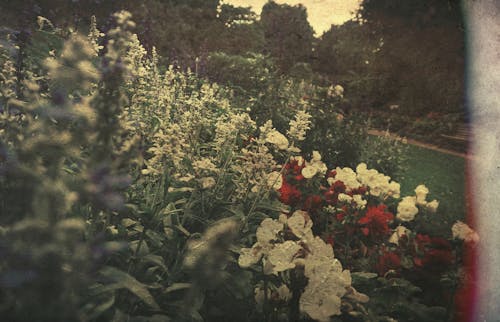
[[131, 193]]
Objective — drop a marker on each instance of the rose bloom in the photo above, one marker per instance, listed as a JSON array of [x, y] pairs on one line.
[[407, 210], [462, 231], [388, 261], [376, 221], [313, 203], [434, 253], [421, 192], [294, 167], [309, 172], [289, 194], [432, 206]]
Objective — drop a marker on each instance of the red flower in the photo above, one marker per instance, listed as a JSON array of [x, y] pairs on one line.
[[299, 177], [338, 186], [313, 203], [387, 262], [358, 191], [294, 168], [331, 174], [422, 240], [289, 194], [432, 253], [331, 197], [376, 221], [332, 194]]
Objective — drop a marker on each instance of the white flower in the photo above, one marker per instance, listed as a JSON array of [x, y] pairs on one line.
[[309, 171], [334, 91], [421, 192], [250, 256], [378, 183], [188, 177], [327, 283], [462, 231], [278, 139], [274, 180], [344, 198], [347, 176], [320, 166], [319, 305], [407, 210], [207, 182], [316, 156], [360, 203], [300, 224], [432, 206], [283, 218], [299, 126], [330, 209], [339, 90], [204, 164], [293, 149], [361, 168], [282, 256], [300, 160], [319, 249], [268, 230], [266, 128], [398, 233], [394, 189]]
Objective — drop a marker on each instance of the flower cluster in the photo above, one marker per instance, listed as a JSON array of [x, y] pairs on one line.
[[361, 213], [335, 91], [299, 126], [462, 231], [407, 208], [376, 221], [289, 243]]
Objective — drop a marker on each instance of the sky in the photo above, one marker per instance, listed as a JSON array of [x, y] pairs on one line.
[[321, 13]]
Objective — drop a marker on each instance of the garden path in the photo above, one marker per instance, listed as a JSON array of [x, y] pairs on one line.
[[419, 143]]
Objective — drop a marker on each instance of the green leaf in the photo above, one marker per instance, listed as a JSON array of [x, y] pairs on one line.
[[121, 280], [365, 275], [155, 259], [170, 209], [177, 286], [236, 211], [183, 230], [127, 222], [100, 308], [143, 250], [155, 238]]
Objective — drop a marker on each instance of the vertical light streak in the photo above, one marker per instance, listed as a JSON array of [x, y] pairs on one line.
[[483, 82]]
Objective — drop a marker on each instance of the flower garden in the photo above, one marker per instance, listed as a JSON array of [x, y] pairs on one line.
[[133, 191]]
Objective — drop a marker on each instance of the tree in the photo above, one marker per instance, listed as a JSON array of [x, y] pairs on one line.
[[421, 57], [288, 35], [342, 54]]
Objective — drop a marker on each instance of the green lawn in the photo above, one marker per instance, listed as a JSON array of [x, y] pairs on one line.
[[444, 175]]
